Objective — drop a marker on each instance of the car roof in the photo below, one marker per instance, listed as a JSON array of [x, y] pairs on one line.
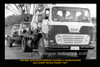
[[16, 24]]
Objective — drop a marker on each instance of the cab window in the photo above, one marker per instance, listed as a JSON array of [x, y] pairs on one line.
[[47, 12]]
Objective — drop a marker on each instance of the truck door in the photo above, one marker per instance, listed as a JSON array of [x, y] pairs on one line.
[[34, 23], [45, 21], [40, 18]]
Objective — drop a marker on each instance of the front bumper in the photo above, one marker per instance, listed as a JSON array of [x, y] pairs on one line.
[[66, 48]]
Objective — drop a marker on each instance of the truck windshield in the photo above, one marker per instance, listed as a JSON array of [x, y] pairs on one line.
[[25, 25], [70, 14]]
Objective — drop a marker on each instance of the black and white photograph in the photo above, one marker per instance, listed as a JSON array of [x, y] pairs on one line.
[[50, 31]]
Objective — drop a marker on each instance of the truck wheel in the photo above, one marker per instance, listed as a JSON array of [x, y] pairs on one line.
[[41, 51], [25, 47], [82, 54], [9, 42]]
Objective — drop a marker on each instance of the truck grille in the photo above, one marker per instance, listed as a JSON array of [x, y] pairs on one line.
[[73, 39]]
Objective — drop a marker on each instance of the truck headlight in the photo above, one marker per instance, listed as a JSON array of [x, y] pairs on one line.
[[58, 39], [87, 40]]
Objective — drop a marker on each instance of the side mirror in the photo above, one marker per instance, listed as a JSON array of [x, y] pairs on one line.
[[93, 20]]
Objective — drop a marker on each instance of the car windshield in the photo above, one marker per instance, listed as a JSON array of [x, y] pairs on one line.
[[25, 25], [70, 14], [16, 26]]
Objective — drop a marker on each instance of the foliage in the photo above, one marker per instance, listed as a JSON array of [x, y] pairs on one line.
[[16, 19]]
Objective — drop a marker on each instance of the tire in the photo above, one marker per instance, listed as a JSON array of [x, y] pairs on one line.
[[9, 42], [25, 47], [82, 54], [41, 49]]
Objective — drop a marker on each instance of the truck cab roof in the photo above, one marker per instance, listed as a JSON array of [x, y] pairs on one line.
[[65, 6]]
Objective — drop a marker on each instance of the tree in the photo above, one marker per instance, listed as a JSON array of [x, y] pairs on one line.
[[16, 19], [22, 9]]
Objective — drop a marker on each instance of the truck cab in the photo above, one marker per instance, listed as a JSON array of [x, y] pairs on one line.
[[65, 29], [24, 27]]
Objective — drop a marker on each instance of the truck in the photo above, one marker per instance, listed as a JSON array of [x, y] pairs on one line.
[[13, 37], [60, 29], [16, 32], [24, 27]]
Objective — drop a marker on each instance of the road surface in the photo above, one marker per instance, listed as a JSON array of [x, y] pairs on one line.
[[15, 52]]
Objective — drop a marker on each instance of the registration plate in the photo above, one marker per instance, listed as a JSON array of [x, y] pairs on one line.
[[74, 47]]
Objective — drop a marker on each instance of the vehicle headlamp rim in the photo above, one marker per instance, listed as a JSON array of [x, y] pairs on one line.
[[87, 39], [59, 40]]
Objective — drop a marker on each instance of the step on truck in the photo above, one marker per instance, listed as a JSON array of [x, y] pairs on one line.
[[60, 29]]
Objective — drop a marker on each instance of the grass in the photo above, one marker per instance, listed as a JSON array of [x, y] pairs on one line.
[[8, 29]]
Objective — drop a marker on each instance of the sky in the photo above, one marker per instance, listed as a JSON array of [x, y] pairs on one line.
[[92, 8]]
